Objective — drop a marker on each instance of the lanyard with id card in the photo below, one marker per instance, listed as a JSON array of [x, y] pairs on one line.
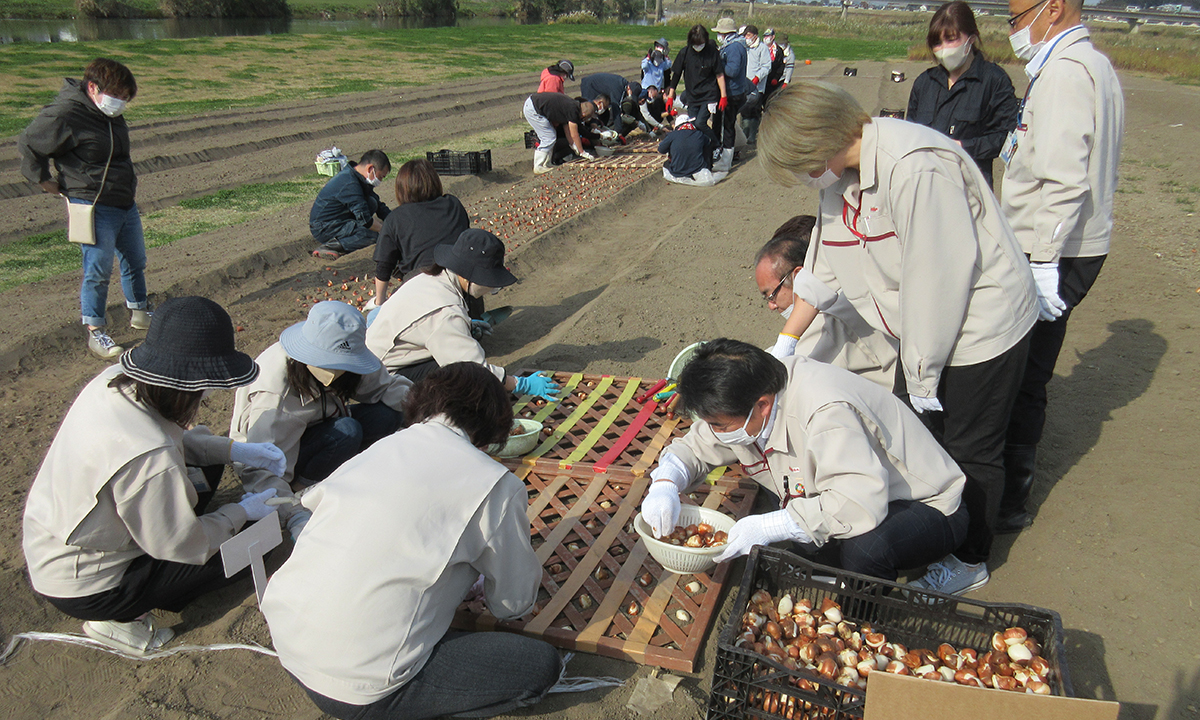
[[1013, 140]]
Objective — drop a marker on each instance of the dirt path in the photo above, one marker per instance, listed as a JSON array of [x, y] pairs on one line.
[[620, 290]]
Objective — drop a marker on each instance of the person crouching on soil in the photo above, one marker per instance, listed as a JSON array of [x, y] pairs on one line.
[[400, 536], [852, 467], [347, 214], [111, 530], [690, 151], [301, 400], [425, 325], [545, 113]]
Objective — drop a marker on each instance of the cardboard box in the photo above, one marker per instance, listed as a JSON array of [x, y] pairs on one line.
[[895, 697]]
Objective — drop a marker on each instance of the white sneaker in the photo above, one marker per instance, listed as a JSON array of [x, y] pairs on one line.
[[140, 319], [102, 346], [952, 576], [137, 638]]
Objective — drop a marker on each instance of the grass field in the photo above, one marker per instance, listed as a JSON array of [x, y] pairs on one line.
[[178, 77]]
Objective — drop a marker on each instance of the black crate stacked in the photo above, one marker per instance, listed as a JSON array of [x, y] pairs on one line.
[[746, 684], [454, 162]]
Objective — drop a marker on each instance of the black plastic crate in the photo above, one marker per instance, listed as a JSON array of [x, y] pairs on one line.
[[454, 162], [531, 139], [743, 680]]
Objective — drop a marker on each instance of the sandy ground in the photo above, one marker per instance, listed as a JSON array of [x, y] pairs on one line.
[[620, 290]]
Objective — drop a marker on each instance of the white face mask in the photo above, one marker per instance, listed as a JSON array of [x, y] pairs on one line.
[[697, 48], [737, 437], [787, 311], [374, 181], [110, 105], [478, 291], [955, 57], [826, 179], [1022, 45]]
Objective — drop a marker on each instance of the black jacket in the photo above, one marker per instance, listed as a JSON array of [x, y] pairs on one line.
[[74, 134], [346, 197], [690, 151], [979, 111], [699, 71], [413, 230]]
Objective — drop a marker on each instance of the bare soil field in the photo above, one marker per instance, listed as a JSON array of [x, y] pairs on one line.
[[620, 289]]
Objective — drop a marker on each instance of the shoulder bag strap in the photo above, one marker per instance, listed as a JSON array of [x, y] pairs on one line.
[[112, 145]]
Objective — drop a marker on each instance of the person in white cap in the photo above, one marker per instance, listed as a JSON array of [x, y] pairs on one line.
[[690, 151], [425, 324], [114, 524], [302, 399]]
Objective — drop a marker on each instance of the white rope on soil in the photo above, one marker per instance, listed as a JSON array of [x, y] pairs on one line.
[[76, 639], [579, 684]]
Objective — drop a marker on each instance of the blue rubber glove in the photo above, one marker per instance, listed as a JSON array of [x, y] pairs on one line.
[[539, 385]]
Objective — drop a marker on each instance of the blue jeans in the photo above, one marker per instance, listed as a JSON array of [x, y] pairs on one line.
[[328, 444], [469, 675], [346, 234], [117, 231]]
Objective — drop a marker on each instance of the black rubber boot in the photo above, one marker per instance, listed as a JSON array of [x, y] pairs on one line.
[[1019, 465]]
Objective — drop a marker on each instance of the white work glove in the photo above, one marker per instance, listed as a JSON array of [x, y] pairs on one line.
[[586, 155], [1045, 277], [762, 529], [475, 592], [255, 504], [921, 405], [660, 507], [808, 288], [297, 521], [264, 456], [608, 134]]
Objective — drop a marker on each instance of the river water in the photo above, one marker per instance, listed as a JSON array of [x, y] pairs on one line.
[[90, 29]]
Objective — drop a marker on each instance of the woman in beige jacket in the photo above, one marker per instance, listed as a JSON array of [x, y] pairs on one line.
[[425, 324], [301, 401], [400, 535], [111, 527], [911, 233]]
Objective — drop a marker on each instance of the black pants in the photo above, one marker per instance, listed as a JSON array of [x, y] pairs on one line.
[[700, 116], [977, 401], [725, 121], [473, 675], [150, 584], [913, 534], [417, 372], [1076, 276]]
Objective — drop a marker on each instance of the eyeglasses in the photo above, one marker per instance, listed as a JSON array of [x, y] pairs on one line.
[[1012, 21], [770, 297]]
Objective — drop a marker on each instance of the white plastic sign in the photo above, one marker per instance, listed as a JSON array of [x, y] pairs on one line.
[[248, 548]]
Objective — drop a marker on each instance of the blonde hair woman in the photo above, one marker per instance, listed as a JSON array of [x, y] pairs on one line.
[[910, 232]]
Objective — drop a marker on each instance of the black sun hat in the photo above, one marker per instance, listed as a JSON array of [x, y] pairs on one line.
[[190, 347], [478, 256]]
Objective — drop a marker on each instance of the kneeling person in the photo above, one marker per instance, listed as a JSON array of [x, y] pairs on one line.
[[360, 613], [849, 461], [347, 214], [690, 151]]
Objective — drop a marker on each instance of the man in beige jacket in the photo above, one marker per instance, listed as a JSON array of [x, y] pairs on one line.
[[911, 233], [1058, 195], [848, 461]]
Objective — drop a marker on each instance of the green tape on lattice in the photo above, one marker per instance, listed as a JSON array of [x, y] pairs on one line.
[[716, 474], [573, 418], [564, 392], [605, 423]]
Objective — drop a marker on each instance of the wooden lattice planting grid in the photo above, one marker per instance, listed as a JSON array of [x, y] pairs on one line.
[[601, 591], [598, 424]]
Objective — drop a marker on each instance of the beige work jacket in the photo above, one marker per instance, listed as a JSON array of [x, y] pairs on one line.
[[398, 536], [918, 244], [840, 450], [1059, 185], [268, 410], [114, 486], [839, 336], [426, 318]]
